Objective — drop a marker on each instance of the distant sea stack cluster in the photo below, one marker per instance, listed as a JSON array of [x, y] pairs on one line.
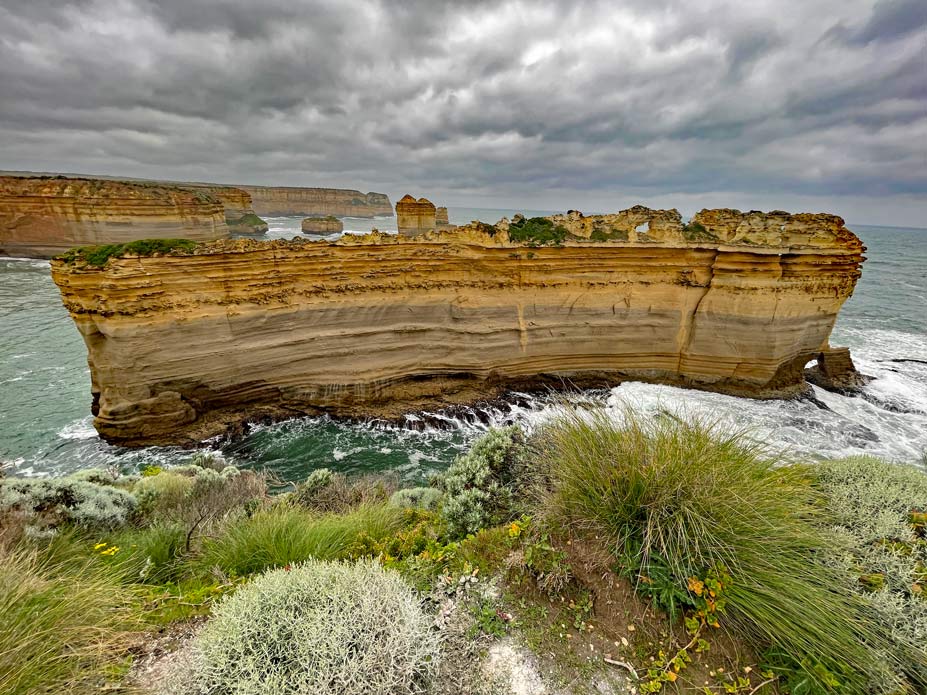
[[322, 225], [43, 216], [190, 344], [318, 202], [415, 217]]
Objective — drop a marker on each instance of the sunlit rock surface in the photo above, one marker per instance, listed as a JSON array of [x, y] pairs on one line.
[[321, 225], [186, 346], [317, 202], [41, 216]]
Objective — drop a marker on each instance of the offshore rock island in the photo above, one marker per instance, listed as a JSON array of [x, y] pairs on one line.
[[189, 344]]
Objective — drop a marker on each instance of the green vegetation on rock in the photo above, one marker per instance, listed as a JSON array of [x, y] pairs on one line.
[[679, 550], [537, 231], [97, 256]]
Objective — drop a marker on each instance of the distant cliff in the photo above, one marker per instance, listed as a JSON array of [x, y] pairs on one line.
[[184, 346], [316, 202], [239, 211], [41, 216]]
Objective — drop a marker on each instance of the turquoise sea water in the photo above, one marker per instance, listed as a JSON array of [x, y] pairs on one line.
[[45, 424]]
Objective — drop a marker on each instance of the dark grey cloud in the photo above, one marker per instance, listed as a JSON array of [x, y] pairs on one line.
[[545, 103]]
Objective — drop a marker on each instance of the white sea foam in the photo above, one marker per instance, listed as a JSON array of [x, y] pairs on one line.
[[79, 429]]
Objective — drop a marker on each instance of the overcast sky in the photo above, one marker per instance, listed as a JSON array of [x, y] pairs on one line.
[[817, 105]]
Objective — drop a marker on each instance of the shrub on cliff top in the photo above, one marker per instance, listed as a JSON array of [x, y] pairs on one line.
[[879, 510], [97, 256], [479, 486], [51, 501], [537, 231], [686, 497], [326, 491], [327, 628]]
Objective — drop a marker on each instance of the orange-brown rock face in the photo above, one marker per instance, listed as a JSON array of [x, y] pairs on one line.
[[318, 202], [239, 213], [415, 217], [183, 346], [322, 225], [44, 216]]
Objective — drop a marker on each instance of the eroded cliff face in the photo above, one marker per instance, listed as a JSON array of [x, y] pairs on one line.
[[269, 200], [41, 217], [182, 347], [239, 211]]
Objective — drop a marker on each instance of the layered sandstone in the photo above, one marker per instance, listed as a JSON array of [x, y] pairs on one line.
[[318, 202], [184, 346], [322, 225], [239, 211], [42, 216], [416, 217]]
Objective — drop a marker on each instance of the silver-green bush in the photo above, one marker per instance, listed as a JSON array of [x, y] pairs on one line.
[[478, 486], [325, 628], [871, 506], [49, 501], [418, 497]]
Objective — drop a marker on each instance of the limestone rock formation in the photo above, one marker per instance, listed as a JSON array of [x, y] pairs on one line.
[[184, 346], [239, 213], [415, 217], [322, 225], [320, 202], [441, 216], [41, 216]]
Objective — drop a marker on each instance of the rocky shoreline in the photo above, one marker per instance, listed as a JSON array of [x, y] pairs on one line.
[[182, 345]]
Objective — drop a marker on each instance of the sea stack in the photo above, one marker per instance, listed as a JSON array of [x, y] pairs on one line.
[[415, 217], [239, 212], [188, 345], [42, 216], [322, 225]]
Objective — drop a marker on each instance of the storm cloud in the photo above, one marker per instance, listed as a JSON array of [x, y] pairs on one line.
[[597, 105]]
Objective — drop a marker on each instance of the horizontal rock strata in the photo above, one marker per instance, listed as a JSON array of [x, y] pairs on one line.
[[41, 217], [270, 200], [184, 346], [239, 212], [322, 225]]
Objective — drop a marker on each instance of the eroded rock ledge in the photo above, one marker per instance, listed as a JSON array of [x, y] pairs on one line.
[[284, 200], [183, 346], [41, 216]]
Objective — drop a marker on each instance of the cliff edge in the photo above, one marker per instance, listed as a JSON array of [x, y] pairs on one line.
[[184, 346], [317, 202], [41, 216]]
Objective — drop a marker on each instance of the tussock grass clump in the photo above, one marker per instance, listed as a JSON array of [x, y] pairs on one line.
[[686, 497], [60, 624], [328, 628], [284, 535]]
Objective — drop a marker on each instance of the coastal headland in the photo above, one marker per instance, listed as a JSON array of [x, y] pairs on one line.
[[191, 343], [41, 216]]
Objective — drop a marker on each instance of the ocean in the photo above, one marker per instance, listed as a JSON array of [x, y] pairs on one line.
[[46, 428]]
